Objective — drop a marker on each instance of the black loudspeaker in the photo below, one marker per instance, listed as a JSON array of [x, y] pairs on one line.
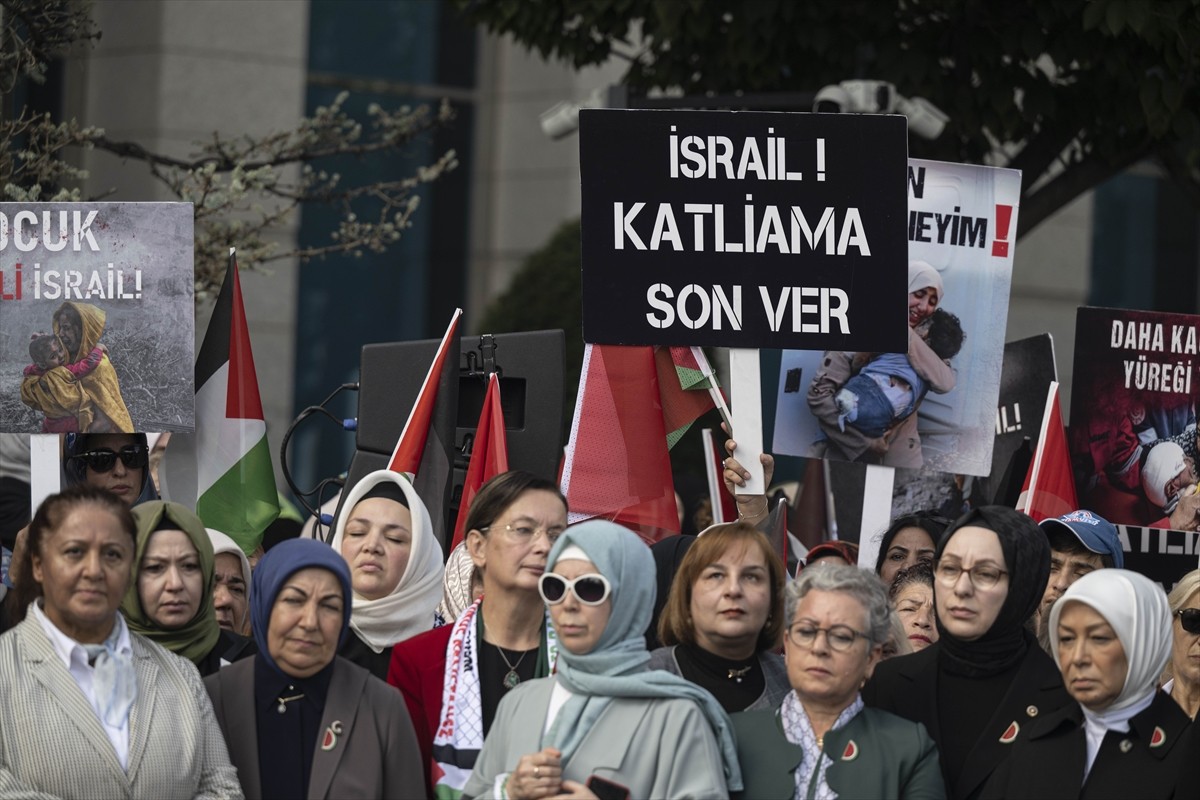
[[531, 396]]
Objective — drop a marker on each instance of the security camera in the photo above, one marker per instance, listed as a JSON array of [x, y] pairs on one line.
[[562, 119], [880, 97], [924, 118], [832, 99], [871, 97]]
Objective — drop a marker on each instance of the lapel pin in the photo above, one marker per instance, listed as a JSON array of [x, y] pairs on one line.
[[1126, 745], [331, 735], [851, 751], [1010, 733], [1158, 737], [1032, 711]]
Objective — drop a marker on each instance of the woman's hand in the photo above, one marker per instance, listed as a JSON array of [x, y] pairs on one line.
[[751, 507], [536, 775], [574, 790]]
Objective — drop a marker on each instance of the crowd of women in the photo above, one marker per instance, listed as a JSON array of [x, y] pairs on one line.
[[576, 662]]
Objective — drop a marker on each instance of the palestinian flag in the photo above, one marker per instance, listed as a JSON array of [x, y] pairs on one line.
[[224, 471], [687, 386]]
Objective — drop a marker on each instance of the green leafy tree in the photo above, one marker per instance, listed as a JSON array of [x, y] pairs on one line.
[[1071, 92], [244, 188]]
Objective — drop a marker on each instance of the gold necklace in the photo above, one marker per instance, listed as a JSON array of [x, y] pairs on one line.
[[739, 673]]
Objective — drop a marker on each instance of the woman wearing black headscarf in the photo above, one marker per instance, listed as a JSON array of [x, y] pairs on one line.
[[985, 678]]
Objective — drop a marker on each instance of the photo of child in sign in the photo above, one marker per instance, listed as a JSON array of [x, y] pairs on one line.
[[71, 380], [97, 318], [932, 406], [1133, 417], [886, 389]]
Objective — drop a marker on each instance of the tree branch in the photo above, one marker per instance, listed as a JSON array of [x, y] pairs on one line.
[[1072, 182]]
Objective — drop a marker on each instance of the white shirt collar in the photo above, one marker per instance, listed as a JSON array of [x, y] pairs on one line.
[[66, 647]]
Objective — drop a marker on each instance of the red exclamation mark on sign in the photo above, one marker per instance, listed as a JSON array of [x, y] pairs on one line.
[[1003, 218]]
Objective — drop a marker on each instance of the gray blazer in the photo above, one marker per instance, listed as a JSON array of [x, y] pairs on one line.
[[774, 676], [375, 756], [53, 745], [654, 747]]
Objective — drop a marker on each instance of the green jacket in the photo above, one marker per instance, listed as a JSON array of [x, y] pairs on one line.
[[876, 755]]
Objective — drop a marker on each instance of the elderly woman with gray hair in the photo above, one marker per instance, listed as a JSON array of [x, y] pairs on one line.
[[822, 742]]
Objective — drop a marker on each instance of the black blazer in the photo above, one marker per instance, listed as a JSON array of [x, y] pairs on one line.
[[907, 687], [1147, 762]]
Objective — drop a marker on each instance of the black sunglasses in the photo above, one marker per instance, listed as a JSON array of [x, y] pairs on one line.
[[1189, 618], [133, 456]]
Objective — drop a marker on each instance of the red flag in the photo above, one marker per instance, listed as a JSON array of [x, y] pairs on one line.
[[411, 445], [1049, 489], [489, 454], [617, 465]]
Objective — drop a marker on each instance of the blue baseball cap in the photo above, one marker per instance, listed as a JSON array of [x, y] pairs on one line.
[[1095, 533]]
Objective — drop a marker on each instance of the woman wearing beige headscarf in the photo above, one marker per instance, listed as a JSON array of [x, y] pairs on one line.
[[901, 446]]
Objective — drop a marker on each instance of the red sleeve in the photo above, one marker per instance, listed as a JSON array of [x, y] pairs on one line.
[[416, 670], [84, 366], [33, 369]]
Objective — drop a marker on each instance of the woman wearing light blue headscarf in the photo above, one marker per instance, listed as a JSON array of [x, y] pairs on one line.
[[605, 725], [301, 721]]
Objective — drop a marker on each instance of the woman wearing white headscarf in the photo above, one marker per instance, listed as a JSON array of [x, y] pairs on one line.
[[1111, 634], [901, 446], [385, 535], [604, 724]]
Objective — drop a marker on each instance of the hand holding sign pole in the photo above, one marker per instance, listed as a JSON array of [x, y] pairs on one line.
[[746, 389]]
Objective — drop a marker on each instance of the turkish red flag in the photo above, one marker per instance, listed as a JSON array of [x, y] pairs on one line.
[[617, 465], [1049, 489], [489, 454]]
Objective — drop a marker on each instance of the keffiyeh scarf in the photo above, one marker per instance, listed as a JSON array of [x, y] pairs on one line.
[[459, 736]]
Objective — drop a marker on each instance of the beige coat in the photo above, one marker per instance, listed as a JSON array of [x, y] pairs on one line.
[[53, 745]]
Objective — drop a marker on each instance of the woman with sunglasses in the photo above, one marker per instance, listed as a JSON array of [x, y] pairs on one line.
[[985, 679], [170, 600], [454, 676], [1122, 737], [117, 462], [605, 725], [1183, 670], [821, 741], [724, 617]]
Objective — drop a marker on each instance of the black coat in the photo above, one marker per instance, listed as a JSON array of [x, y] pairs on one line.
[[907, 687], [1147, 762]]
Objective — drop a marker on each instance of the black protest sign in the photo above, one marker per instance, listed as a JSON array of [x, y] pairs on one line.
[[1160, 554], [744, 229]]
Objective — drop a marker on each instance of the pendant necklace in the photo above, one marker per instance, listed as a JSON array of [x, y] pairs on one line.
[[511, 679], [283, 701], [739, 673]]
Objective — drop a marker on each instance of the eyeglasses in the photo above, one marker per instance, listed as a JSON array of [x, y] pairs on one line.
[[590, 589], [982, 577], [133, 456], [840, 637], [526, 533], [1189, 618]]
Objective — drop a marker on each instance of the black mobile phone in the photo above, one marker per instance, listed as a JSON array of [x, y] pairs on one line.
[[606, 789]]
